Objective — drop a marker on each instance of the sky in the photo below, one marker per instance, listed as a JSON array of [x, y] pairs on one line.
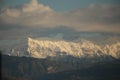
[[61, 5], [21, 16]]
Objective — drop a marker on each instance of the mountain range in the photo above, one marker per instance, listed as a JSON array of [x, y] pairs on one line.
[[48, 47], [47, 58]]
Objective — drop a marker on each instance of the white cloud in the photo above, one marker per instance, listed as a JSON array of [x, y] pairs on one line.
[[92, 18], [29, 14], [33, 6]]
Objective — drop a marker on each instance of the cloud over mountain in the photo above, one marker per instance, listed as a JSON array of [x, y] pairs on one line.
[[105, 18]]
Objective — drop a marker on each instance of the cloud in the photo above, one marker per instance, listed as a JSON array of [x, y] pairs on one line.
[[28, 13], [105, 18], [33, 6]]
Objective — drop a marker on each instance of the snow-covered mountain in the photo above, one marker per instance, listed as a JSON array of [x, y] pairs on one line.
[[45, 47], [13, 47]]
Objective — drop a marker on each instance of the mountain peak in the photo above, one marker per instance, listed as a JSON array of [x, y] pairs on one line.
[[45, 48]]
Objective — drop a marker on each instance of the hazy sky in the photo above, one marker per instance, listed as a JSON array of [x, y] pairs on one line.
[[61, 5], [19, 16]]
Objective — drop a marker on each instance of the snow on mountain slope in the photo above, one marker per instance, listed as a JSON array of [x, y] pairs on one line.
[[41, 48], [14, 47], [46, 47]]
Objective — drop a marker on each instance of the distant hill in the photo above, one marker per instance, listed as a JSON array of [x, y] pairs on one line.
[[23, 68]]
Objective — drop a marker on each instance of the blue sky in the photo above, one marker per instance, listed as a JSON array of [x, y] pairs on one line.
[[61, 5]]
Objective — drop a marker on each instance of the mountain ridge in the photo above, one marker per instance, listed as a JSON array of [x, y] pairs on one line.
[[76, 49], [47, 47], [23, 68]]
